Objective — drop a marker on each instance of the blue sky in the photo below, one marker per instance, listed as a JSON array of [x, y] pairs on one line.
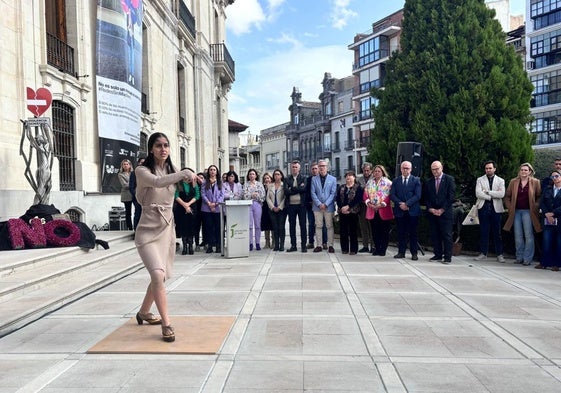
[[281, 44]]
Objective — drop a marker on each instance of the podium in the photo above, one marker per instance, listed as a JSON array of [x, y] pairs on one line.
[[234, 218]]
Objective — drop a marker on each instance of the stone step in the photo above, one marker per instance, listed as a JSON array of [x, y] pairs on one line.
[[28, 294], [17, 260]]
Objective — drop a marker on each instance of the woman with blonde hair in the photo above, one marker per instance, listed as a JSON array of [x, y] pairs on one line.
[[378, 208], [126, 196], [522, 201]]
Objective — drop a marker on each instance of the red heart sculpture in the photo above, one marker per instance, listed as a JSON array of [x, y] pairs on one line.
[[38, 101]]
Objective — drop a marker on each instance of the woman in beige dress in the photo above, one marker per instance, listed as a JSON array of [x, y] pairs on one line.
[[155, 235]]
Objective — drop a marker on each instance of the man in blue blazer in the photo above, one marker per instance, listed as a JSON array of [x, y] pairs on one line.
[[405, 195], [440, 194], [324, 189]]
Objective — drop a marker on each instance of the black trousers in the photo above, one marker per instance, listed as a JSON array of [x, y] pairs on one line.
[[297, 211], [407, 232], [380, 233], [441, 235], [348, 224], [279, 231]]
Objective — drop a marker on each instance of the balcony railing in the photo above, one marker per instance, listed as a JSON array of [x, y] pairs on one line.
[[222, 59], [187, 18], [349, 145], [336, 148], [60, 55]]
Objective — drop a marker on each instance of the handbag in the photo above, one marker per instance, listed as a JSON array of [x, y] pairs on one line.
[[472, 218]]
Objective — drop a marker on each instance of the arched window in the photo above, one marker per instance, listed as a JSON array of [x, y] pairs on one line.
[[64, 133]]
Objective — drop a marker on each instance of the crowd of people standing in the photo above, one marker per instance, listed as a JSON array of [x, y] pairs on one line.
[[369, 203], [172, 203]]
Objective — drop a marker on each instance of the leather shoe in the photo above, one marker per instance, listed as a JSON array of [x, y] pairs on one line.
[[555, 269], [398, 256], [331, 249], [354, 253], [292, 249], [364, 249], [435, 258], [318, 249], [414, 257], [304, 249], [446, 261]]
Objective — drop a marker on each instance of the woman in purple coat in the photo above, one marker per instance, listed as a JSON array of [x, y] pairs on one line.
[[212, 197]]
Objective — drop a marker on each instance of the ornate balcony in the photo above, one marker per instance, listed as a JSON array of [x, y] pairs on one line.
[[223, 62]]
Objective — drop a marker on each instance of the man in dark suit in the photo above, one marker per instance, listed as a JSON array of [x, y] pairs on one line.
[[405, 195], [440, 194], [295, 192]]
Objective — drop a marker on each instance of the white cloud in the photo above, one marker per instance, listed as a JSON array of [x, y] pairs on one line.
[[341, 13], [286, 39], [270, 81], [243, 15]]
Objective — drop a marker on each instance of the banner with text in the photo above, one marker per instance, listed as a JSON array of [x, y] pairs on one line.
[[118, 86]]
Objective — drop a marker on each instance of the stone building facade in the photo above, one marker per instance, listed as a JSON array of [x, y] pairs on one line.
[[186, 74]]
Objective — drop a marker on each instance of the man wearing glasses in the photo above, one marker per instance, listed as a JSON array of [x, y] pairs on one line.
[[324, 189], [490, 191], [405, 195]]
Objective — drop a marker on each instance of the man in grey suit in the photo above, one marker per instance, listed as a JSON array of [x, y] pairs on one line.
[[324, 189], [490, 190], [405, 195]]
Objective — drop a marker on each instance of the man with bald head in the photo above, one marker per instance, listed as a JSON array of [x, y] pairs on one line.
[[440, 194], [405, 195]]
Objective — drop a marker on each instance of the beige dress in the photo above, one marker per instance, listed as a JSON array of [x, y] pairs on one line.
[[155, 233]]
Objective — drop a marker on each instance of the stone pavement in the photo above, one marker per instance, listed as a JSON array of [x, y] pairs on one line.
[[313, 323]]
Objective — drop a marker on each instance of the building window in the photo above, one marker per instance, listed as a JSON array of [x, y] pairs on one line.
[[272, 161], [143, 143], [182, 157], [366, 105], [547, 88], [59, 53], [63, 133], [373, 50]]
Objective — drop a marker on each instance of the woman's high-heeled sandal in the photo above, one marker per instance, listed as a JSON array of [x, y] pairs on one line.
[[150, 318], [168, 335]]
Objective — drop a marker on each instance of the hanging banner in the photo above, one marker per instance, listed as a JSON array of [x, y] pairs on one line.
[[118, 85]]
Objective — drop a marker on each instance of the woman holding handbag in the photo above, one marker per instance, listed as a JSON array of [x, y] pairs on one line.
[[379, 211]]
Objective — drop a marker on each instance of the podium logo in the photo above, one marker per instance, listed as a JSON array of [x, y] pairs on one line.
[[233, 229]]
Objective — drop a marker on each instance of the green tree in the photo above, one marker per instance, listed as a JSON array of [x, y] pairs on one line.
[[458, 89]]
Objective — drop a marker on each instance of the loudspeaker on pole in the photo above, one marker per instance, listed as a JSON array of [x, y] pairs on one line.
[[409, 151]]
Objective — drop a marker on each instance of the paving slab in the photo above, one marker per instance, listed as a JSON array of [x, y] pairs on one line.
[[312, 322]]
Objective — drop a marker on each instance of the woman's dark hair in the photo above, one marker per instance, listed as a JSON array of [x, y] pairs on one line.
[[256, 174], [233, 173], [218, 177], [150, 162], [279, 171]]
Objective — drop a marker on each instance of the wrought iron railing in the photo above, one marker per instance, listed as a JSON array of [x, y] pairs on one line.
[[219, 53], [60, 55]]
